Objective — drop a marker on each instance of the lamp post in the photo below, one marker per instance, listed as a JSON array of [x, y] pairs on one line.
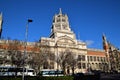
[[25, 47]]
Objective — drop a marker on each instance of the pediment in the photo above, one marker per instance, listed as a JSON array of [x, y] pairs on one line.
[[65, 40]]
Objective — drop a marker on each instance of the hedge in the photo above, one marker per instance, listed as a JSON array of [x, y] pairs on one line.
[[38, 78]]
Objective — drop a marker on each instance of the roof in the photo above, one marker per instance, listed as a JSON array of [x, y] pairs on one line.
[[95, 52]]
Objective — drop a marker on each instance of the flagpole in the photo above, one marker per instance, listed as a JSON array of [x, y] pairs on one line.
[[25, 47]]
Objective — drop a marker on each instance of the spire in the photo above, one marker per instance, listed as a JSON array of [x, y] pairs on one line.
[[1, 15], [103, 36], [60, 11], [1, 21], [105, 43]]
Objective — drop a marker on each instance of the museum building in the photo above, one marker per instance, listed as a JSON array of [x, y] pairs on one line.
[[62, 39]]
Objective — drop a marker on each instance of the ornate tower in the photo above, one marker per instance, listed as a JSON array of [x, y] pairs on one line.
[[105, 43], [1, 21], [60, 26], [106, 48]]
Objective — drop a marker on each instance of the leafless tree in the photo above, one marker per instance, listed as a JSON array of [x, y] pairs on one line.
[[3, 57], [14, 53], [67, 60], [73, 62], [43, 57], [4, 53]]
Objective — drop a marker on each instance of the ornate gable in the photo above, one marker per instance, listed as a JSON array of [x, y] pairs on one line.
[[65, 40]]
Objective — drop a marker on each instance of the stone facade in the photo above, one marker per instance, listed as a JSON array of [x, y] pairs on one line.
[[61, 39], [112, 55], [64, 38], [97, 59]]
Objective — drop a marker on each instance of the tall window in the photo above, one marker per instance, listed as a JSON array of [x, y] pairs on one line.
[[58, 20], [83, 65], [104, 59], [63, 20], [58, 26], [91, 58], [81, 57], [64, 26], [88, 57], [97, 58], [94, 58], [45, 65], [100, 58], [79, 65]]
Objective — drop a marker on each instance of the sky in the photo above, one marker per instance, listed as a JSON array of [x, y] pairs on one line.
[[88, 19]]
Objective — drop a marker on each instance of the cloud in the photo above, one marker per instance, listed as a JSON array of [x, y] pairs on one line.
[[89, 42]]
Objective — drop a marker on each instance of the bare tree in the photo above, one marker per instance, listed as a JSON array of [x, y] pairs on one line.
[[14, 53], [4, 56], [67, 60], [43, 57], [73, 62]]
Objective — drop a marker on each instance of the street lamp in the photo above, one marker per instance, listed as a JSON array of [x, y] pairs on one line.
[[25, 46]]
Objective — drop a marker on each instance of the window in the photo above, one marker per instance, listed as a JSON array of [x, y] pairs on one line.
[[79, 65], [97, 58], [104, 59], [88, 58], [91, 58], [45, 65], [65, 27], [83, 58], [100, 58], [94, 58], [57, 27], [79, 57], [83, 65], [58, 20], [63, 20]]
